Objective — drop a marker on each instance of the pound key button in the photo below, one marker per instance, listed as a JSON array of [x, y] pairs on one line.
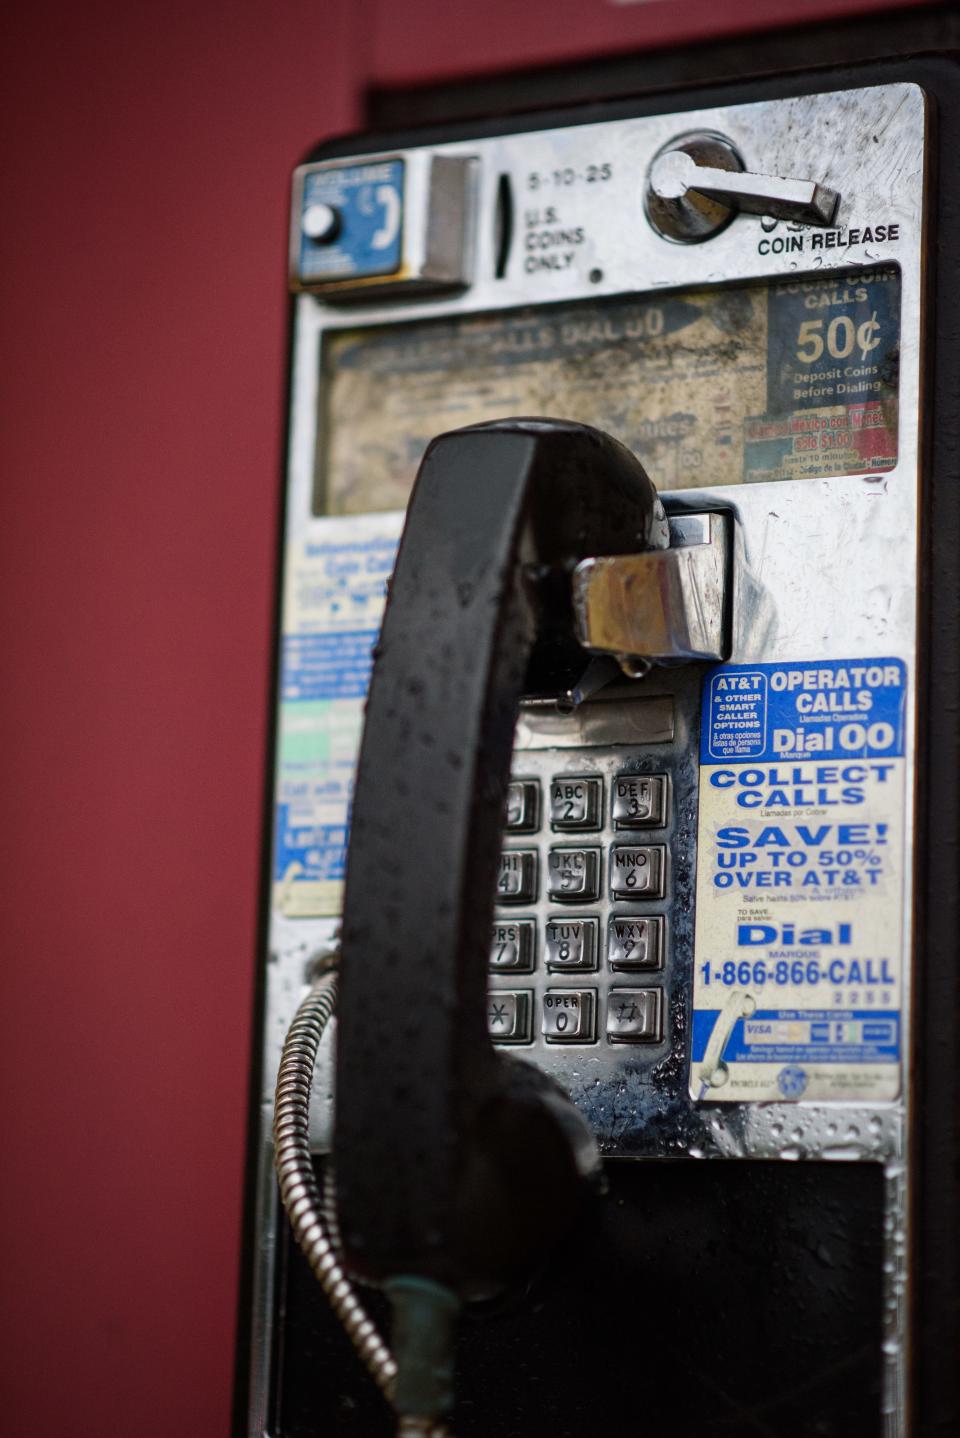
[[523, 806], [568, 1016], [576, 803], [508, 1016], [634, 1016], [574, 876], [512, 946], [517, 879], [637, 873], [639, 801]]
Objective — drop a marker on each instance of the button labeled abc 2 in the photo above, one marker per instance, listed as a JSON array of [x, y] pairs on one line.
[[637, 872], [576, 802]]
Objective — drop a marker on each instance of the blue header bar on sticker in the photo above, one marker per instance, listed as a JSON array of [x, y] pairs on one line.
[[818, 709]]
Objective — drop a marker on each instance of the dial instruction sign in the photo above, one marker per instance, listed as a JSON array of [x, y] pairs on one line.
[[793, 378], [797, 951]]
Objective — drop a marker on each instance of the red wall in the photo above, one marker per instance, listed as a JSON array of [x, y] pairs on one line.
[[141, 265], [147, 157]]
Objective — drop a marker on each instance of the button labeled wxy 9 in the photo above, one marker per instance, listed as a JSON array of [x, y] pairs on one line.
[[635, 943]]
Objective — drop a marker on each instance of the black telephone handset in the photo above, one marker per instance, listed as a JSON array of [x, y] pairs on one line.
[[457, 1165]]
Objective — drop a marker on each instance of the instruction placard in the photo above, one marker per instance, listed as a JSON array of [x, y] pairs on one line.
[[797, 982], [333, 605]]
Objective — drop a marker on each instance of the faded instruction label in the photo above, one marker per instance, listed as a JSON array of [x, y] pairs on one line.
[[334, 596], [789, 379], [797, 951]]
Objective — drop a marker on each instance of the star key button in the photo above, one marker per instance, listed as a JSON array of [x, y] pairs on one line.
[[508, 1016]]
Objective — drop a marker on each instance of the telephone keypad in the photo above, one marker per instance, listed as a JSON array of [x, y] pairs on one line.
[[571, 944], [635, 943], [634, 1016], [637, 872], [513, 946], [508, 1016], [573, 876], [517, 879], [523, 806], [568, 1016], [597, 910], [638, 801], [576, 803]]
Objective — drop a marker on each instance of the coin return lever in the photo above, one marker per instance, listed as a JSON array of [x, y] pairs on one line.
[[697, 183]]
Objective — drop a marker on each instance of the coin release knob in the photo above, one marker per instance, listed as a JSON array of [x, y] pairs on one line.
[[697, 183]]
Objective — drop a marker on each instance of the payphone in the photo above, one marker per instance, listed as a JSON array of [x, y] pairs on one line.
[[632, 950]]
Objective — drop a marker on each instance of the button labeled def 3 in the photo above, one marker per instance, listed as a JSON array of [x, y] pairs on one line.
[[639, 801]]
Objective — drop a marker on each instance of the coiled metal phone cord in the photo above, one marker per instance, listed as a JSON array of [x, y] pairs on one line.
[[298, 1185], [309, 1214]]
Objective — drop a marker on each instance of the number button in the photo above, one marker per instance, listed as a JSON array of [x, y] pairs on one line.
[[523, 806], [639, 801], [517, 879], [635, 943], [571, 944], [575, 803], [574, 876], [512, 946], [568, 1016], [637, 873]]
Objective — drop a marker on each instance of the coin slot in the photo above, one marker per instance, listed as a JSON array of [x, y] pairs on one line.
[[503, 226]]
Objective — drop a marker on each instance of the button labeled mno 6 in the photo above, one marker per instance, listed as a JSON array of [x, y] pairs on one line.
[[637, 872]]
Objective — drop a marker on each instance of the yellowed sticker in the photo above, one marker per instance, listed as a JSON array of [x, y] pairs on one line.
[[728, 385]]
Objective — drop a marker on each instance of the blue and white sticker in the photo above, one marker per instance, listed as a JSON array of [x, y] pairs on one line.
[[798, 939], [333, 605], [365, 205]]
